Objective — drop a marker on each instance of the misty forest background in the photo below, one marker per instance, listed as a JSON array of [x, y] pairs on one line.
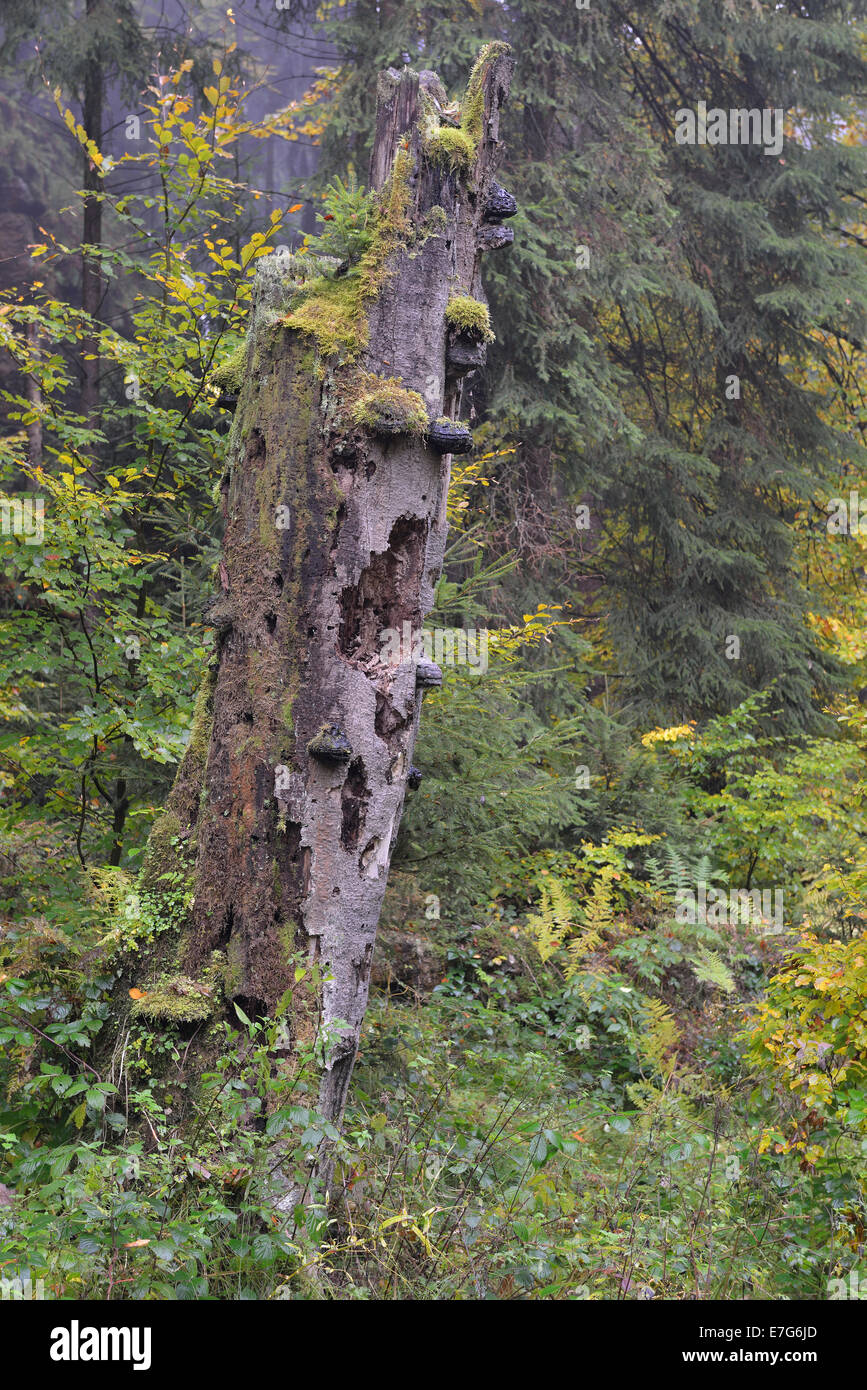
[[567, 1088]]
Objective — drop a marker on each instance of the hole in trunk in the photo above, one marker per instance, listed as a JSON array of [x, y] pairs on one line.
[[354, 797], [387, 721], [378, 600], [226, 929], [255, 1009], [338, 523]]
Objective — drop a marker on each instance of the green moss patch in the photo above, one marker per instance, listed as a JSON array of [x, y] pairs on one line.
[[390, 409], [162, 856], [452, 146], [203, 720], [332, 314], [468, 315], [473, 105], [229, 375], [332, 308], [174, 999]]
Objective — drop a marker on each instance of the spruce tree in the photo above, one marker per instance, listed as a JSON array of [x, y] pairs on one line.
[[647, 276]]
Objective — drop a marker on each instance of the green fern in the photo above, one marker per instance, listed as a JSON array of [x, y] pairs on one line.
[[554, 922], [659, 1033], [710, 969], [598, 915]]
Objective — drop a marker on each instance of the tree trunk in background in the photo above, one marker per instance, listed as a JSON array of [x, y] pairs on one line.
[[334, 534], [91, 275], [34, 396]]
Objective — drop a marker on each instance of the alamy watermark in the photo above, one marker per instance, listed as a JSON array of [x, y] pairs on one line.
[[855, 1289], [737, 906], [21, 1290], [846, 520], [738, 126], [23, 516], [464, 646], [77, 1343]]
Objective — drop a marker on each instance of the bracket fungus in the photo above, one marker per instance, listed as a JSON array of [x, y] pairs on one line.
[[499, 204], [391, 409], [493, 236], [450, 436], [330, 745], [469, 333], [428, 675], [217, 614], [464, 355]]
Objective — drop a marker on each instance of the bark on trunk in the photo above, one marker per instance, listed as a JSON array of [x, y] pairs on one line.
[[91, 272], [291, 792], [34, 396]]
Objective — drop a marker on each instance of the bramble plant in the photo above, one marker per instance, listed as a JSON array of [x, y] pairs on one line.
[[811, 1029]]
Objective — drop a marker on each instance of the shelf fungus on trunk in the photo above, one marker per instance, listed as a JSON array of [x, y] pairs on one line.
[[449, 436], [428, 675], [330, 745], [390, 409], [494, 236], [464, 355], [286, 806], [217, 613], [469, 332], [499, 204]]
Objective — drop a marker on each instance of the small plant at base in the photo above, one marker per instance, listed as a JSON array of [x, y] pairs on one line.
[[332, 310]]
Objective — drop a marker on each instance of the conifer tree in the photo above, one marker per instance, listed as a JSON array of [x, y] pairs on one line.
[[664, 304]]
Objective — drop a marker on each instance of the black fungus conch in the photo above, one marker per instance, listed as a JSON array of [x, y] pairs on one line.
[[330, 745], [450, 436], [493, 236], [428, 675], [464, 353], [499, 204]]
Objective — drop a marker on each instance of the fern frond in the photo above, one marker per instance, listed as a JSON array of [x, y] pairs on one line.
[[710, 969]]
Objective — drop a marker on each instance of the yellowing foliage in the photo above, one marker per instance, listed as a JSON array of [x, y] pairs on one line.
[[812, 1029]]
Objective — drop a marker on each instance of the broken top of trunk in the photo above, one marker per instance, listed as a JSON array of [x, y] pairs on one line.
[[290, 795]]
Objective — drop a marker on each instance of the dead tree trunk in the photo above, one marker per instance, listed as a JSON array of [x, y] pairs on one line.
[[291, 792]]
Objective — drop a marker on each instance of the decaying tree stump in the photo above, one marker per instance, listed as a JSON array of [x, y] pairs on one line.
[[291, 792]]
